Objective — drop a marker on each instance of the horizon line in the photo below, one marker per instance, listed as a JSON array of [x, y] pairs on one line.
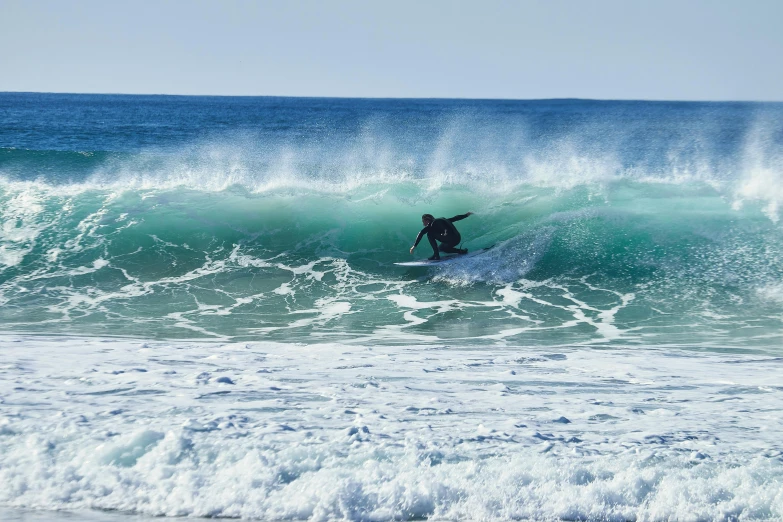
[[569, 98]]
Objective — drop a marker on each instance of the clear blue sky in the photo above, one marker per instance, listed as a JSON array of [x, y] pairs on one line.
[[633, 49]]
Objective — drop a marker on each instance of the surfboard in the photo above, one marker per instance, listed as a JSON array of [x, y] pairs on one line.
[[444, 259]]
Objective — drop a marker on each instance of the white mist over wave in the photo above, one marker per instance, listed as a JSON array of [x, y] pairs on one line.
[[468, 150], [371, 432], [374, 164], [762, 173]]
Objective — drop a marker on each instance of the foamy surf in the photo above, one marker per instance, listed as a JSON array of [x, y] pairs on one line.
[[363, 432]]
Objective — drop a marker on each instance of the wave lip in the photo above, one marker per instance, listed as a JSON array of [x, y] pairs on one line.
[[735, 149]]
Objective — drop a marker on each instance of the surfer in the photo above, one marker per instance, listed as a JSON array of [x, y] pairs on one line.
[[442, 230]]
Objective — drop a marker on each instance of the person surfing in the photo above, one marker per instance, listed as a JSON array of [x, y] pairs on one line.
[[443, 230]]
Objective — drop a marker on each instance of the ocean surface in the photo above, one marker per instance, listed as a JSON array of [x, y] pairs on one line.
[[200, 315]]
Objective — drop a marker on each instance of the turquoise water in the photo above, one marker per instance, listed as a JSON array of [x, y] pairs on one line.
[[263, 218]]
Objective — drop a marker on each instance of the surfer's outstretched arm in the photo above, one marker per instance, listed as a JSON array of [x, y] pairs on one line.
[[418, 238], [461, 216]]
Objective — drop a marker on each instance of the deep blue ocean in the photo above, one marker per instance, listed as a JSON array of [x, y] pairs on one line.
[[200, 314]]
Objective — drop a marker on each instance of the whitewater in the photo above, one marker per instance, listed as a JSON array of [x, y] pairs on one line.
[[200, 315]]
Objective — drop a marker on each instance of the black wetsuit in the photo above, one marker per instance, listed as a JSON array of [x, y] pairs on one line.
[[444, 231]]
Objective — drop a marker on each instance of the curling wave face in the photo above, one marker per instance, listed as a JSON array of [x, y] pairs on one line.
[[635, 261], [612, 222]]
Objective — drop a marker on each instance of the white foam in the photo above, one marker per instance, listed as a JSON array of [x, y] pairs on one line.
[[20, 225], [369, 432], [772, 292]]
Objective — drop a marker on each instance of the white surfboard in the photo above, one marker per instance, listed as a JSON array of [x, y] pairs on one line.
[[444, 259]]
